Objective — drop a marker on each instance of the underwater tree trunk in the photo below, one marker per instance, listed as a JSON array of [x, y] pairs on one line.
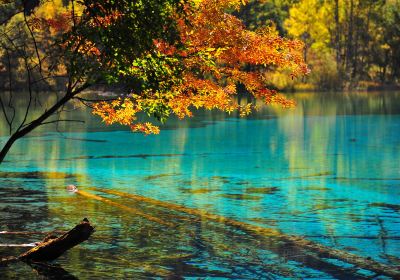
[[310, 248], [25, 128], [52, 247]]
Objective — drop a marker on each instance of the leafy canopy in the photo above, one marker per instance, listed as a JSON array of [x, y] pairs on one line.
[[215, 54], [170, 56]]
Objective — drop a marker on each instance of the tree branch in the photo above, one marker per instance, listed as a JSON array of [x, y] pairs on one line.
[[34, 43], [94, 100], [62, 120], [9, 17], [30, 95], [10, 91], [5, 112]]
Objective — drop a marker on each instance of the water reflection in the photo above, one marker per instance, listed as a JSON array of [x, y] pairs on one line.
[[326, 170]]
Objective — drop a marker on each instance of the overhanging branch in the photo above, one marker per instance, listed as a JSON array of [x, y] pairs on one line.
[[62, 120]]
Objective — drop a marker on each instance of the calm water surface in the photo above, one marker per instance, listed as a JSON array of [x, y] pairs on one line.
[[328, 171]]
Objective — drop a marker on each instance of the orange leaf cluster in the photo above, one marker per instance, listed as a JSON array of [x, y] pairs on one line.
[[121, 111], [107, 19], [146, 128], [219, 54], [36, 23], [61, 23]]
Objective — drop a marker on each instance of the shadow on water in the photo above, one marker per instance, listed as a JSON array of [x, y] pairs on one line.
[[53, 272]]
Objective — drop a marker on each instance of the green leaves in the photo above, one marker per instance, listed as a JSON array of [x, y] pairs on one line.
[[124, 33]]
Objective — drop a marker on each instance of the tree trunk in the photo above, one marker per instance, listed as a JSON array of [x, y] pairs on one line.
[[34, 124], [24, 130], [53, 247], [7, 147], [349, 50], [337, 36]]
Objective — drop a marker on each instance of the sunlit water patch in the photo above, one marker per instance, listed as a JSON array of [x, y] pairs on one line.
[[327, 171]]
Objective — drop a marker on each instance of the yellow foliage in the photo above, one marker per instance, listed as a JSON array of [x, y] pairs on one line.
[[54, 8], [217, 47], [310, 20]]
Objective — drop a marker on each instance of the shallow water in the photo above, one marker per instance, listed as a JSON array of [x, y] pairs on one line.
[[328, 171]]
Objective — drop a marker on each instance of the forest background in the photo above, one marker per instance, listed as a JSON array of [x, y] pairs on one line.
[[350, 44]]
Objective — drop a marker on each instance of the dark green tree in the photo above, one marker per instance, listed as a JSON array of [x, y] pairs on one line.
[[80, 44]]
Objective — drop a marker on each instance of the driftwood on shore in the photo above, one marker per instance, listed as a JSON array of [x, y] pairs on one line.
[[52, 246]]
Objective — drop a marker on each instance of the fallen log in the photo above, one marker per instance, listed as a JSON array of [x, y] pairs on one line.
[[52, 247], [318, 249], [126, 208]]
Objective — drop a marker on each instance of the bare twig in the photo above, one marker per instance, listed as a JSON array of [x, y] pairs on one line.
[[10, 105], [62, 120], [4, 111], [49, 77], [34, 43], [28, 71], [94, 100]]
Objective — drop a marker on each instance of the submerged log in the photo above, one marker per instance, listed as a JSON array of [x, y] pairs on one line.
[[321, 251], [52, 247], [132, 210]]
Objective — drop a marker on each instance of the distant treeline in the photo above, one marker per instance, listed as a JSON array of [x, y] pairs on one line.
[[349, 44]]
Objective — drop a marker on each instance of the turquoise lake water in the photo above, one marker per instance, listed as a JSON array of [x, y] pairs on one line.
[[327, 171]]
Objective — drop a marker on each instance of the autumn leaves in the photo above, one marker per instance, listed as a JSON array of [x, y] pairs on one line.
[[215, 54]]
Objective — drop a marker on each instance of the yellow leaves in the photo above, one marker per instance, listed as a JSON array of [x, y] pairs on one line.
[[51, 9], [245, 110], [105, 21], [179, 105], [310, 20], [121, 111], [220, 4], [385, 46], [58, 16], [230, 89], [219, 53], [89, 48], [282, 100], [228, 44], [146, 128], [124, 111]]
